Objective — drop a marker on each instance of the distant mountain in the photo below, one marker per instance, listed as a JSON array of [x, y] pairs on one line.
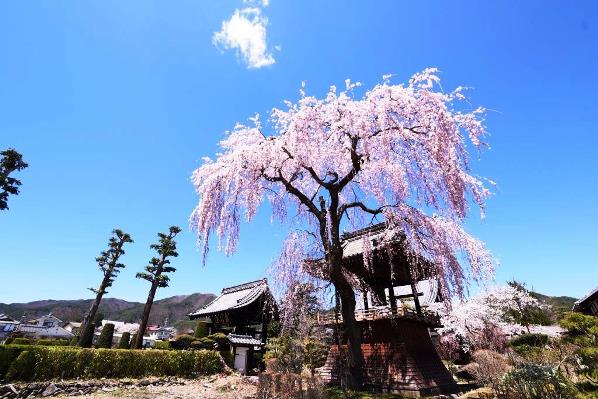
[[175, 309], [558, 304]]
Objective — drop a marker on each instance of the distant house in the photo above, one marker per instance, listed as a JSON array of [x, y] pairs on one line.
[[588, 304], [73, 327], [120, 327], [48, 326], [7, 326], [160, 333], [243, 312]]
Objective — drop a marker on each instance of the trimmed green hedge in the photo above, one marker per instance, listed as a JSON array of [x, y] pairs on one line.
[[534, 339], [52, 342], [32, 363]]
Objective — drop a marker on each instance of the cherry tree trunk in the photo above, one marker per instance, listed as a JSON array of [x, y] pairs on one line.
[[352, 330], [353, 333]]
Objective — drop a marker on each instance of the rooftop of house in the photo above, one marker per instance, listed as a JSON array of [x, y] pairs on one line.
[[7, 318], [234, 297], [44, 319], [586, 300], [121, 326]]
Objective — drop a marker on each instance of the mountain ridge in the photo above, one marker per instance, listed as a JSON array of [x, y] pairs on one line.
[[174, 308]]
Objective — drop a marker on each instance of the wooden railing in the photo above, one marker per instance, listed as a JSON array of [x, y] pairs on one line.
[[382, 312]]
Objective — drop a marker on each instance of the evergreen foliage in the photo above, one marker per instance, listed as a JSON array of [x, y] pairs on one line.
[[109, 265], [183, 341], [124, 342], [133, 340], [87, 340], [201, 329], [10, 162], [155, 274], [538, 340], [42, 363], [106, 336], [164, 345]]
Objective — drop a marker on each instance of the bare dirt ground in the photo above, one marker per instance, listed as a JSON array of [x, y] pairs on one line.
[[213, 387]]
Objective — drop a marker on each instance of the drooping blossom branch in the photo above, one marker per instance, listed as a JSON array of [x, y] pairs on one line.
[[399, 153]]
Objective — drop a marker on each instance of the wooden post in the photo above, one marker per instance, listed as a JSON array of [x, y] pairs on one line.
[[392, 299], [366, 305], [418, 307]]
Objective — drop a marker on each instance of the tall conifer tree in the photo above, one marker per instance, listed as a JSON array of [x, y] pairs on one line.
[[11, 161], [110, 267], [154, 273]]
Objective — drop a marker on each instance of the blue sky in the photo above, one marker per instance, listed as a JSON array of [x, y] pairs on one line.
[[114, 103]]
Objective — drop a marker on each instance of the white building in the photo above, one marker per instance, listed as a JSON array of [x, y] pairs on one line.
[[47, 326], [7, 326]]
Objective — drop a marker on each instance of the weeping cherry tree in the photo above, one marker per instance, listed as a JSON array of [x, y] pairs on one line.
[[398, 153]]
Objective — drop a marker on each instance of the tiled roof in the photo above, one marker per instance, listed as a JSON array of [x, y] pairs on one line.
[[580, 302], [45, 331], [121, 326], [4, 317], [353, 242], [244, 340], [234, 297]]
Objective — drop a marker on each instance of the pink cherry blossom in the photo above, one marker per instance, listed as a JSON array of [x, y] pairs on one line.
[[399, 153]]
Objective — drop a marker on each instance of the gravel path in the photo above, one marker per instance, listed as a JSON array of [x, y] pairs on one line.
[[215, 387]]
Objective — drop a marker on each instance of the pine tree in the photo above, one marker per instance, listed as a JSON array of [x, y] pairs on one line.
[[154, 273], [11, 161], [106, 336], [124, 342], [110, 267]]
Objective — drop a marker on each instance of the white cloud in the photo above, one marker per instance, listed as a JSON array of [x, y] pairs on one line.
[[245, 32], [263, 3]]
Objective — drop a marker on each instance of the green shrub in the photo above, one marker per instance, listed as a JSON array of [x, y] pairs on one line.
[[274, 329], [535, 381], [21, 341], [52, 342], [530, 353], [183, 341], [589, 362], [220, 339], [89, 338], [8, 340], [163, 345], [133, 339], [315, 353], [41, 363], [203, 343], [8, 354], [106, 336], [201, 329], [74, 341], [124, 342], [538, 340], [23, 367], [229, 358], [581, 329]]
